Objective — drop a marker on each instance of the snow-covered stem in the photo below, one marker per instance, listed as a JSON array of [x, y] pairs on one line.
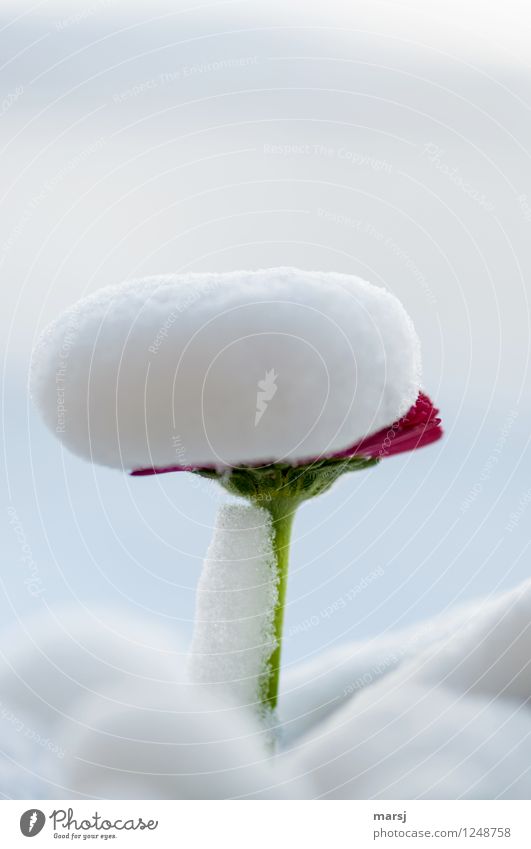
[[238, 633], [282, 511], [235, 630]]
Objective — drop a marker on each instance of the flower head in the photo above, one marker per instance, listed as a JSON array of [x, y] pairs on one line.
[[219, 370]]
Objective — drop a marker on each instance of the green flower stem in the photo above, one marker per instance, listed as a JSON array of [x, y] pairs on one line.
[[282, 511], [279, 488]]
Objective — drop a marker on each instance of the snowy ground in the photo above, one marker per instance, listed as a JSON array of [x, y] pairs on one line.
[[437, 713]]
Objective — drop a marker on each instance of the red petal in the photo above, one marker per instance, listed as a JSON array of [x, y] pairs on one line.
[[420, 426]]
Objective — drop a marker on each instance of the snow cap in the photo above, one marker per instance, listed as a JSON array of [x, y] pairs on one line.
[[224, 369]]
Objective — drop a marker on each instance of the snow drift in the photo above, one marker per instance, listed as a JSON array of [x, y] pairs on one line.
[[445, 714]]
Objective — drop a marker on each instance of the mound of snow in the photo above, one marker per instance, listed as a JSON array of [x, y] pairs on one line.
[[421, 743], [441, 713], [228, 368], [99, 709], [99, 705]]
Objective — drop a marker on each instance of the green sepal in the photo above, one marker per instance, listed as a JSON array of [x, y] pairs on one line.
[[284, 481]]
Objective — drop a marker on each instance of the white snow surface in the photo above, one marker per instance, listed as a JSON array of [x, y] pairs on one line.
[[98, 704], [244, 366], [446, 716], [234, 624], [451, 721]]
